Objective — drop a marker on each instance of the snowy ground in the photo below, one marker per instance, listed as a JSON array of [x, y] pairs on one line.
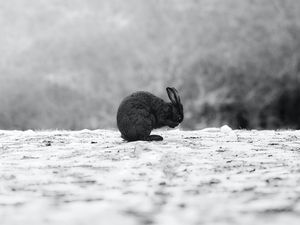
[[212, 176]]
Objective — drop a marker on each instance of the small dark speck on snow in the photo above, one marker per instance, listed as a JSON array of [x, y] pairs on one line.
[[273, 143], [47, 143]]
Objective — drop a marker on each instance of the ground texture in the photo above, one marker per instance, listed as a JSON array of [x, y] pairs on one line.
[[212, 176]]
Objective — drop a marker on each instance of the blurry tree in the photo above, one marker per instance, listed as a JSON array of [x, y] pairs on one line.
[[68, 64]]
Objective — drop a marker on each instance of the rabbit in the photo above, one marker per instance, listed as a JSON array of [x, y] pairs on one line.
[[141, 112]]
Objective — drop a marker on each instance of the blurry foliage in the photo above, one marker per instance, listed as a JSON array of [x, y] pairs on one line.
[[68, 64]]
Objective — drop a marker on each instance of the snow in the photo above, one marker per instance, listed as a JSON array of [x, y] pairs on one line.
[[210, 176]]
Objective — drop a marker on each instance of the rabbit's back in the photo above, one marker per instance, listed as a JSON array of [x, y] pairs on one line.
[[136, 103]]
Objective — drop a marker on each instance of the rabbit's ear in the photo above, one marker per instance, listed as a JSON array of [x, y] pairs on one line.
[[173, 95]]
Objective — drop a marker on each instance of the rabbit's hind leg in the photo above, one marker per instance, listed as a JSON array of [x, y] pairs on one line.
[[153, 138]]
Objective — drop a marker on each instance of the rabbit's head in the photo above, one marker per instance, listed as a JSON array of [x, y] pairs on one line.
[[176, 108]]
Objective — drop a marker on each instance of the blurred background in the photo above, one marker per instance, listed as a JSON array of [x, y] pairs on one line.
[[67, 64]]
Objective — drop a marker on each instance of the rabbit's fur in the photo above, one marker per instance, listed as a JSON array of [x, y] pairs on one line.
[[141, 112]]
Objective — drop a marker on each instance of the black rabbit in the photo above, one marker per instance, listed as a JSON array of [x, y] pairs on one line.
[[141, 112]]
